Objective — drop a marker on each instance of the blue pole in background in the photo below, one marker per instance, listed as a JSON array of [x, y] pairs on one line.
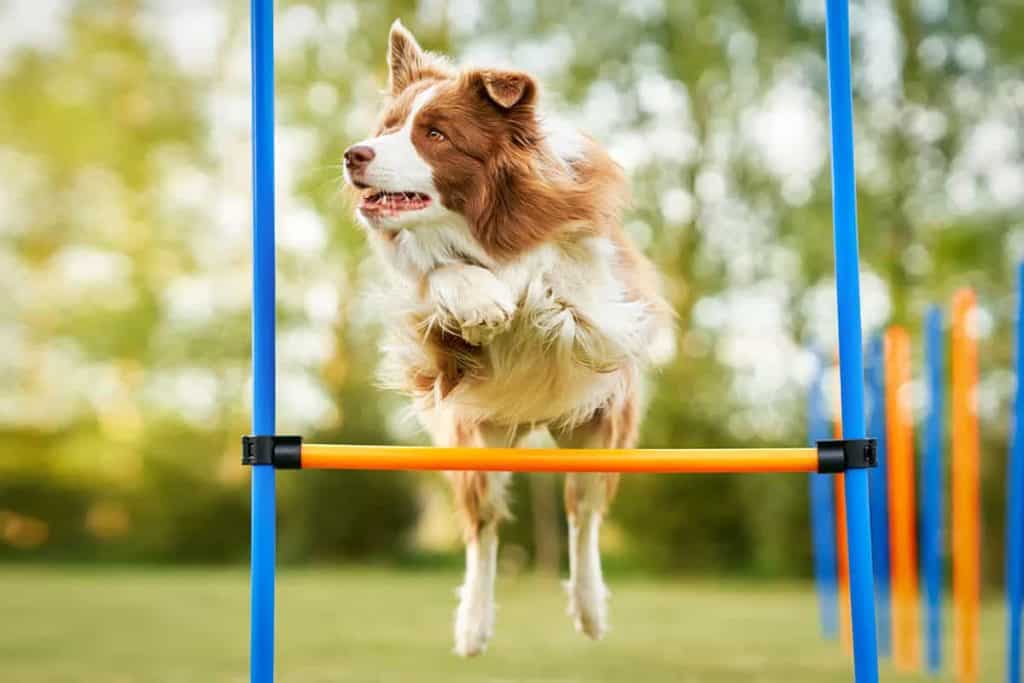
[[261, 644], [933, 462], [878, 482], [851, 369], [1015, 505], [823, 512]]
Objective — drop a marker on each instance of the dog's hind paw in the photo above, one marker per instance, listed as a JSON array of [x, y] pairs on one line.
[[474, 626], [470, 644], [588, 607]]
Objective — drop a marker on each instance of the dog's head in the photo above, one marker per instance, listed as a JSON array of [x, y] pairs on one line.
[[466, 145]]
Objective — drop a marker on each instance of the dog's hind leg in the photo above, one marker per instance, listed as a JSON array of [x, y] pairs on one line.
[[587, 497], [482, 504]]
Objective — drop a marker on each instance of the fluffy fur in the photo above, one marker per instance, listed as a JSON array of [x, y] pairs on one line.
[[517, 301]]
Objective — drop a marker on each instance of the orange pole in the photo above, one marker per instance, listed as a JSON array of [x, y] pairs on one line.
[[966, 517], [902, 505], [842, 549], [663, 460]]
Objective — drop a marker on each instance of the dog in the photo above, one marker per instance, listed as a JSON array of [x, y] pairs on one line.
[[517, 300]]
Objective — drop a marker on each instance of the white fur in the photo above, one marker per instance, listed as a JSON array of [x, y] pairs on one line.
[[573, 330], [565, 351], [567, 143], [471, 301], [474, 618], [398, 167], [588, 596], [418, 250]]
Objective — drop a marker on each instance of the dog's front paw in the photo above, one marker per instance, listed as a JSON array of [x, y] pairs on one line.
[[588, 607], [482, 321], [474, 624], [473, 303]]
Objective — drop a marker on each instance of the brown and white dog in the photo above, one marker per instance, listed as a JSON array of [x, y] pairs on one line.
[[519, 301]]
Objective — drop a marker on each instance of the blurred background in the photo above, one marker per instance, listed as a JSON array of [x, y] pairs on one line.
[[125, 259]]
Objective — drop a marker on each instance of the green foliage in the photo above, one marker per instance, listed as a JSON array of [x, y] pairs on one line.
[[124, 254]]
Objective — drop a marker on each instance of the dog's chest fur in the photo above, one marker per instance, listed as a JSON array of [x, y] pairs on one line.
[[576, 337]]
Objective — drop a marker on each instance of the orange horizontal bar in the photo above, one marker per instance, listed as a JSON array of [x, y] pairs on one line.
[[664, 460]]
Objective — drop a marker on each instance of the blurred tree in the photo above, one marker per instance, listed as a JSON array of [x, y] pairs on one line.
[[125, 260]]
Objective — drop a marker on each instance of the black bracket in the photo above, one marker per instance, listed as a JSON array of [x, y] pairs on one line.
[[840, 455], [282, 452]]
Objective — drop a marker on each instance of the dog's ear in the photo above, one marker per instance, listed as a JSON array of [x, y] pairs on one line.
[[408, 62], [507, 89]]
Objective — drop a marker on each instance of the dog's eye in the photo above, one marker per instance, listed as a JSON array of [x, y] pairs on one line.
[[436, 135]]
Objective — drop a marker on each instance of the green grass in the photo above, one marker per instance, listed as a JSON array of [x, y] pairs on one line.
[[173, 625]]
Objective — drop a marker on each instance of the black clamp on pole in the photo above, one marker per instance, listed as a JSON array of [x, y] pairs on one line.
[[839, 455], [283, 452]]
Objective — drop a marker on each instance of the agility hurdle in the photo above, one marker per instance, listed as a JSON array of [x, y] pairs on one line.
[[266, 452]]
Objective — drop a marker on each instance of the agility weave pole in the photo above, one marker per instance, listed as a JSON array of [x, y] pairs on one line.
[[966, 507], [264, 402], [902, 502], [932, 487], [842, 549], [879, 484], [851, 367], [1015, 506], [265, 452], [823, 513]]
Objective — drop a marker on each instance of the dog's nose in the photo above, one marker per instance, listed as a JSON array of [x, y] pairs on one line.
[[358, 156]]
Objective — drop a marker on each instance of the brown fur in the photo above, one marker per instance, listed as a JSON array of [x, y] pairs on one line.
[[495, 170], [612, 427], [447, 360], [492, 166], [476, 506], [572, 495], [640, 276], [408, 63], [399, 105]]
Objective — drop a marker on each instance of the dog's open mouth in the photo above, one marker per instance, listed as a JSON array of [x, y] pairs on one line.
[[379, 202]]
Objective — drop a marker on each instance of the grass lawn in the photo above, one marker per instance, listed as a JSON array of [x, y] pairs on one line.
[[173, 625]]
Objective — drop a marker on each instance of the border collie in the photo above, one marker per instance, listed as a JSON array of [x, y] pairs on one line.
[[518, 301]]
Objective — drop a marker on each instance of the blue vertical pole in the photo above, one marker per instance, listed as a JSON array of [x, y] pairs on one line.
[[1015, 506], [932, 491], [823, 513], [878, 483], [851, 369], [261, 644]]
